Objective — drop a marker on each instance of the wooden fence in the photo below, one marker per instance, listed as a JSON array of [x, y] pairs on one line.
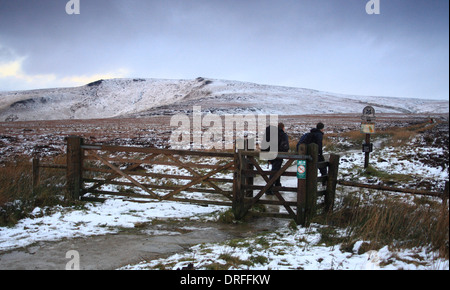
[[234, 179], [89, 167], [226, 180], [444, 195]]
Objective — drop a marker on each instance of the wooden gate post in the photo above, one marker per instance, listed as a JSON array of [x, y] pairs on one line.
[[74, 166], [330, 193], [311, 183], [301, 193], [307, 188], [238, 206], [249, 166]]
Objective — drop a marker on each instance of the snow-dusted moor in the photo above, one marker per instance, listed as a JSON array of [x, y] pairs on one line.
[[147, 97], [369, 228]]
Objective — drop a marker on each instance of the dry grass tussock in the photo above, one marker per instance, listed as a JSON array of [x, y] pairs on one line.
[[15, 181], [400, 136], [17, 196], [391, 221], [393, 135]]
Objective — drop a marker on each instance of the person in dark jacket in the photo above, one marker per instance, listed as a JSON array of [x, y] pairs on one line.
[[317, 138], [283, 146]]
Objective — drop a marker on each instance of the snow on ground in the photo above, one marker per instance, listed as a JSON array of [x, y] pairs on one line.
[[51, 224], [391, 161], [288, 249], [301, 248]]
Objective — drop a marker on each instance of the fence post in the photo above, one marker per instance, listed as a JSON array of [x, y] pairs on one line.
[[330, 194], [301, 193], [248, 165], [238, 206], [74, 166], [311, 183]]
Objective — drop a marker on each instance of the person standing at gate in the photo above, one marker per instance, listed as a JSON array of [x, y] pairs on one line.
[[283, 146], [315, 136]]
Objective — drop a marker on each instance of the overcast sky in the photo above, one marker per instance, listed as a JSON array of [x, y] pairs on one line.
[[328, 45]]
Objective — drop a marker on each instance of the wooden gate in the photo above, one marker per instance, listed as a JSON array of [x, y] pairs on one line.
[[304, 206], [95, 172], [148, 173]]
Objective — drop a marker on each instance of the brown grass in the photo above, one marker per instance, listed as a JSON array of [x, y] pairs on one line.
[[400, 136], [422, 223], [15, 181], [15, 185], [396, 136], [355, 135], [17, 196]]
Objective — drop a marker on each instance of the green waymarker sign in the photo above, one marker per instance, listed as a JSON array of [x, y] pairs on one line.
[[301, 169]]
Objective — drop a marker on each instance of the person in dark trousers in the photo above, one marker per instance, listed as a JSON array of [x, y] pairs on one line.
[[318, 139], [315, 136], [283, 146]]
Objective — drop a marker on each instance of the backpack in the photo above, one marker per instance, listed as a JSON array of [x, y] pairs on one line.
[[306, 138], [283, 141]]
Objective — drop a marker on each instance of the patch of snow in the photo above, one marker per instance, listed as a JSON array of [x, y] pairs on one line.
[[300, 249], [93, 219]]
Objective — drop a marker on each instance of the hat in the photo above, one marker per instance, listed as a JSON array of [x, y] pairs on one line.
[[320, 126]]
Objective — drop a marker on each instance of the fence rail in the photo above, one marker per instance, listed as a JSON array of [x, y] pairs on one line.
[[444, 195], [92, 167], [156, 157], [89, 167]]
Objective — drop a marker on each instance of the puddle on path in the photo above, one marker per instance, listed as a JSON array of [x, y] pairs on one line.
[[148, 242]]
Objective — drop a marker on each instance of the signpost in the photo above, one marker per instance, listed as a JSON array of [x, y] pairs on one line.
[[368, 128], [301, 169]]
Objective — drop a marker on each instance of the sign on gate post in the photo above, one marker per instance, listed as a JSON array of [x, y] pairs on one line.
[[368, 128], [301, 169]]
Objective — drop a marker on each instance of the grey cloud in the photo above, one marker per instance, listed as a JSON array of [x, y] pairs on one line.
[[326, 44]]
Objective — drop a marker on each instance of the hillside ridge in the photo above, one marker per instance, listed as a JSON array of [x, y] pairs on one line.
[[138, 97]]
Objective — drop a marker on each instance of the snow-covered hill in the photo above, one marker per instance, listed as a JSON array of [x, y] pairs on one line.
[[146, 97]]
